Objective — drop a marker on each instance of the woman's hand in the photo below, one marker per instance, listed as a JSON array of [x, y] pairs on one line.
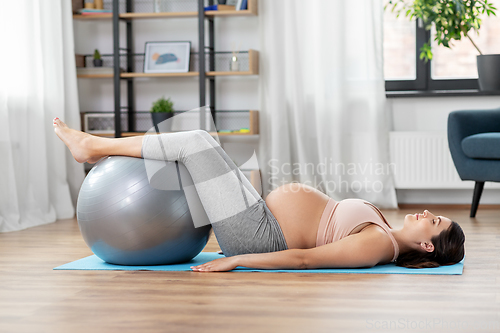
[[217, 265]]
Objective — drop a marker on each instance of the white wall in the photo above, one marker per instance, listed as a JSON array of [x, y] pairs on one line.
[[431, 114]]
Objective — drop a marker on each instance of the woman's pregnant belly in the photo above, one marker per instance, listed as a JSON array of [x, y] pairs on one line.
[[298, 209]]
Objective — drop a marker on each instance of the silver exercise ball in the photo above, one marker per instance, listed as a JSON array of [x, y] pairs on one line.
[[128, 219]]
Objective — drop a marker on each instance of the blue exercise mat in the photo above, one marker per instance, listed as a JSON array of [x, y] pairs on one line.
[[94, 263]]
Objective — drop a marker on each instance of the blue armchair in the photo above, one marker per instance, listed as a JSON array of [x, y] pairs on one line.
[[474, 141]]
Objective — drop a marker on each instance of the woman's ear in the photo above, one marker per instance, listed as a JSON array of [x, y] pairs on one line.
[[427, 246]]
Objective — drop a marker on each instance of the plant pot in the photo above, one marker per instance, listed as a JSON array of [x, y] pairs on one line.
[[97, 62], [488, 69], [159, 117]]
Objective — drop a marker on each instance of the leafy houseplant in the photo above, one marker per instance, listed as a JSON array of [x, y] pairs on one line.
[[97, 59], [161, 110], [453, 19]]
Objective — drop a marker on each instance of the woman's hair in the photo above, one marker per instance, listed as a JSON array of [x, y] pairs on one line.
[[448, 250]]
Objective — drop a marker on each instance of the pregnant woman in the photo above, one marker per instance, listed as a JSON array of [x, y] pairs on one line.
[[296, 227]]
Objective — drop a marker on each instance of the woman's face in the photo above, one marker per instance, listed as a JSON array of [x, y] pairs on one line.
[[423, 226]]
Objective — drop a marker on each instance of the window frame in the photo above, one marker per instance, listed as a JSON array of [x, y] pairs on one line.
[[424, 81]]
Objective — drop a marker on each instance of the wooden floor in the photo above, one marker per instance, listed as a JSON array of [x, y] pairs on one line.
[[35, 298]]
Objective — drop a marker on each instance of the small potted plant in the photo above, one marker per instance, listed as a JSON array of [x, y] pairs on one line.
[[161, 110], [97, 59], [453, 20]]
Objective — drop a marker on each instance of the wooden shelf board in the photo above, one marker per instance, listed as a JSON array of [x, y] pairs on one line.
[[128, 75], [158, 15], [253, 127], [93, 17], [128, 134], [245, 12], [188, 74], [234, 134], [94, 76], [230, 73], [166, 15]]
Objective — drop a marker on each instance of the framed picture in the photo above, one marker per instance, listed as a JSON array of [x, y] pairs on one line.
[[167, 57], [99, 123]]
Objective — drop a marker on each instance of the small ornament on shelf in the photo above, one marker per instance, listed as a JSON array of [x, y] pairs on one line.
[[234, 64], [98, 4], [97, 59], [157, 6], [161, 110], [89, 4]]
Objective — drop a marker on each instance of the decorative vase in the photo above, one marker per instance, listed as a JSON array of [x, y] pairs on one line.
[[235, 64], [159, 117], [488, 70], [157, 6], [89, 4], [97, 62], [98, 4]]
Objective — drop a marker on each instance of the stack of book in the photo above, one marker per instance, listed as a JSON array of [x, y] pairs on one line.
[[86, 11], [220, 7], [238, 5], [241, 4]]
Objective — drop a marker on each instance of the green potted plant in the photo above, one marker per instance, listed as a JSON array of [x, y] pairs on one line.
[[454, 19], [97, 59], [161, 110]]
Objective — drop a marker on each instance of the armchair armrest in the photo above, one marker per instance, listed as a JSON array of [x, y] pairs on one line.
[[462, 124], [469, 122]]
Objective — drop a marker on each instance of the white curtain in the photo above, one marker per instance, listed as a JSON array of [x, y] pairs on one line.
[[39, 180], [324, 120]]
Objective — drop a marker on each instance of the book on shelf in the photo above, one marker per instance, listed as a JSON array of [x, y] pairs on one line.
[[87, 11], [244, 5], [238, 4], [94, 70], [220, 7]]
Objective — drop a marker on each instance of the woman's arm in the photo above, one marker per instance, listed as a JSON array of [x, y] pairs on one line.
[[287, 259], [365, 249]]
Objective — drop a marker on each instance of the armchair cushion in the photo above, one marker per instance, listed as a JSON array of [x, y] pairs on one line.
[[482, 146]]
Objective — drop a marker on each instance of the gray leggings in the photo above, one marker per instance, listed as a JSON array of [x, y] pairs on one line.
[[241, 220]]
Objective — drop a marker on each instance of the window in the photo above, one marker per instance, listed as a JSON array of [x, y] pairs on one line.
[[399, 48], [450, 69]]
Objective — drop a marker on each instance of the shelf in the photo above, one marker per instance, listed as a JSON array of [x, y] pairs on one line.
[[129, 134], [251, 11], [88, 121], [93, 17], [253, 69], [253, 66], [139, 75], [194, 74], [215, 63], [158, 15], [132, 16], [95, 76], [132, 75]]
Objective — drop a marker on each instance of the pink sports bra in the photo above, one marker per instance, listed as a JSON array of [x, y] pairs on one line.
[[340, 218]]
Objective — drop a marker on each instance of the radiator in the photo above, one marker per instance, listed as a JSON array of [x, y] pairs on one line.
[[422, 160]]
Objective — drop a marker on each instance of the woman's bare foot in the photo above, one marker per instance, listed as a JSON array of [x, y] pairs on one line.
[[82, 145]]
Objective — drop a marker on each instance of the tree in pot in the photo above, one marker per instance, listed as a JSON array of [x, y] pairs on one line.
[[454, 19], [97, 59], [161, 110]]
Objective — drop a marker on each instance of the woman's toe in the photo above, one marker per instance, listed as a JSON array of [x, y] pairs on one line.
[[59, 122]]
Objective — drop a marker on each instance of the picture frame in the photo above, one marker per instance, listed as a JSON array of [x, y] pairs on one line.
[[99, 123], [167, 57]]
